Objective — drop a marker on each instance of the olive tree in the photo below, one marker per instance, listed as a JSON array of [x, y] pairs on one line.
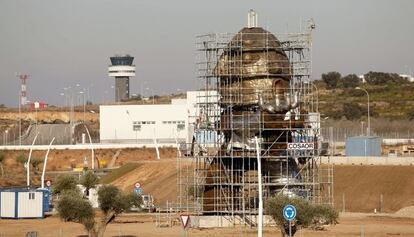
[[89, 180], [64, 183], [307, 214], [112, 202]]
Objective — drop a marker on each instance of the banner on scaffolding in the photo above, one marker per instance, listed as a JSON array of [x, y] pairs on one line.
[[301, 146]]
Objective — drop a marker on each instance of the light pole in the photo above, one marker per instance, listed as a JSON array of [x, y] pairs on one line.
[[369, 121], [152, 92], [84, 104], [317, 97], [259, 177], [20, 121]]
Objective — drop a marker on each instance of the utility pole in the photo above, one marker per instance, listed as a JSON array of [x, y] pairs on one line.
[[369, 119], [22, 100]]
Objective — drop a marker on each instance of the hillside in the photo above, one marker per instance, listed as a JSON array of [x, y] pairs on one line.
[[388, 101]]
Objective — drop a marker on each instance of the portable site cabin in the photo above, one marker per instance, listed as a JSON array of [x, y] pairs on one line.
[[19, 203], [363, 146]]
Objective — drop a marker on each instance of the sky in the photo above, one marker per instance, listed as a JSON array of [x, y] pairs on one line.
[[64, 43]]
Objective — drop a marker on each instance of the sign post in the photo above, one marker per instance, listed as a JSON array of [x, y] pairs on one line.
[[137, 188], [289, 213], [185, 220]]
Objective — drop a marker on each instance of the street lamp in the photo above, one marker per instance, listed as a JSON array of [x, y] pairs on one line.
[[369, 121], [152, 91], [84, 104], [317, 97]]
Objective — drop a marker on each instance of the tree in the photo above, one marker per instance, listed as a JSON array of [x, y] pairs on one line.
[[64, 183], [331, 79], [307, 214], [1, 162], [89, 180], [350, 81], [378, 78], [353, 111], [73, 207]]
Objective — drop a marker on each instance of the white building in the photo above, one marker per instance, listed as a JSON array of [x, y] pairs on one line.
[[408, 77], [167, 123]]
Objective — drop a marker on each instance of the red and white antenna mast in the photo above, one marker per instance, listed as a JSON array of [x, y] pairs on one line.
[[23, 89]]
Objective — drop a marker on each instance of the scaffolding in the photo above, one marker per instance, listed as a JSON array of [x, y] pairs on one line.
[[256, 85]]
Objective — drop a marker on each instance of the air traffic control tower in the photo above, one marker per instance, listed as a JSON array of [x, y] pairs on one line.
[[121, 68]]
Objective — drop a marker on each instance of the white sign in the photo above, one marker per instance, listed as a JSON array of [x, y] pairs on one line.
[[185, 219], [137, 185], [301, 146]]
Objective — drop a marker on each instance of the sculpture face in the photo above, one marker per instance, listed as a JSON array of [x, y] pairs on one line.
[[253, 64]]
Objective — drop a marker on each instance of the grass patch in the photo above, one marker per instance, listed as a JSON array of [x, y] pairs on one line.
[[117, 173]]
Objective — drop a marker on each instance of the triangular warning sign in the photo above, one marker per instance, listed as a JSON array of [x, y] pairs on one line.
[[185, 219]]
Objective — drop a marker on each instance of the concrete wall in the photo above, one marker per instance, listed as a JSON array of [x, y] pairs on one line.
[[367, 160], [226, 221], [87, 146]]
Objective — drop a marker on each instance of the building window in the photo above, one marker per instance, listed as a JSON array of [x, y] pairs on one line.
[[180, 127], [31, 196], [136, 128]]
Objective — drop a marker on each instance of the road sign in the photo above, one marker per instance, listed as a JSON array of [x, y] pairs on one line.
[[138, 190], [289, 212], [137, 185], [301, 146], [185, 219]]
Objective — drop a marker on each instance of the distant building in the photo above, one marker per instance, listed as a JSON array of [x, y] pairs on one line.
[[404, 76], [167, 123], [407, 77], [362, 78]]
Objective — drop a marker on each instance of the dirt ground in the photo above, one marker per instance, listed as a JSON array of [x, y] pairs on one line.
[[158, 178], [351, 224], [66, 160], [362, 186]]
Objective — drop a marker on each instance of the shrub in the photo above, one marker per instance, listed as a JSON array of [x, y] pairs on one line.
[[352, 111], [350, 81], [35, 162], [308, 214], [22, 159]]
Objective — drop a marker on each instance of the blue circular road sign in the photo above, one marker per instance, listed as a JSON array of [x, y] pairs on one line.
[[289, 212]]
